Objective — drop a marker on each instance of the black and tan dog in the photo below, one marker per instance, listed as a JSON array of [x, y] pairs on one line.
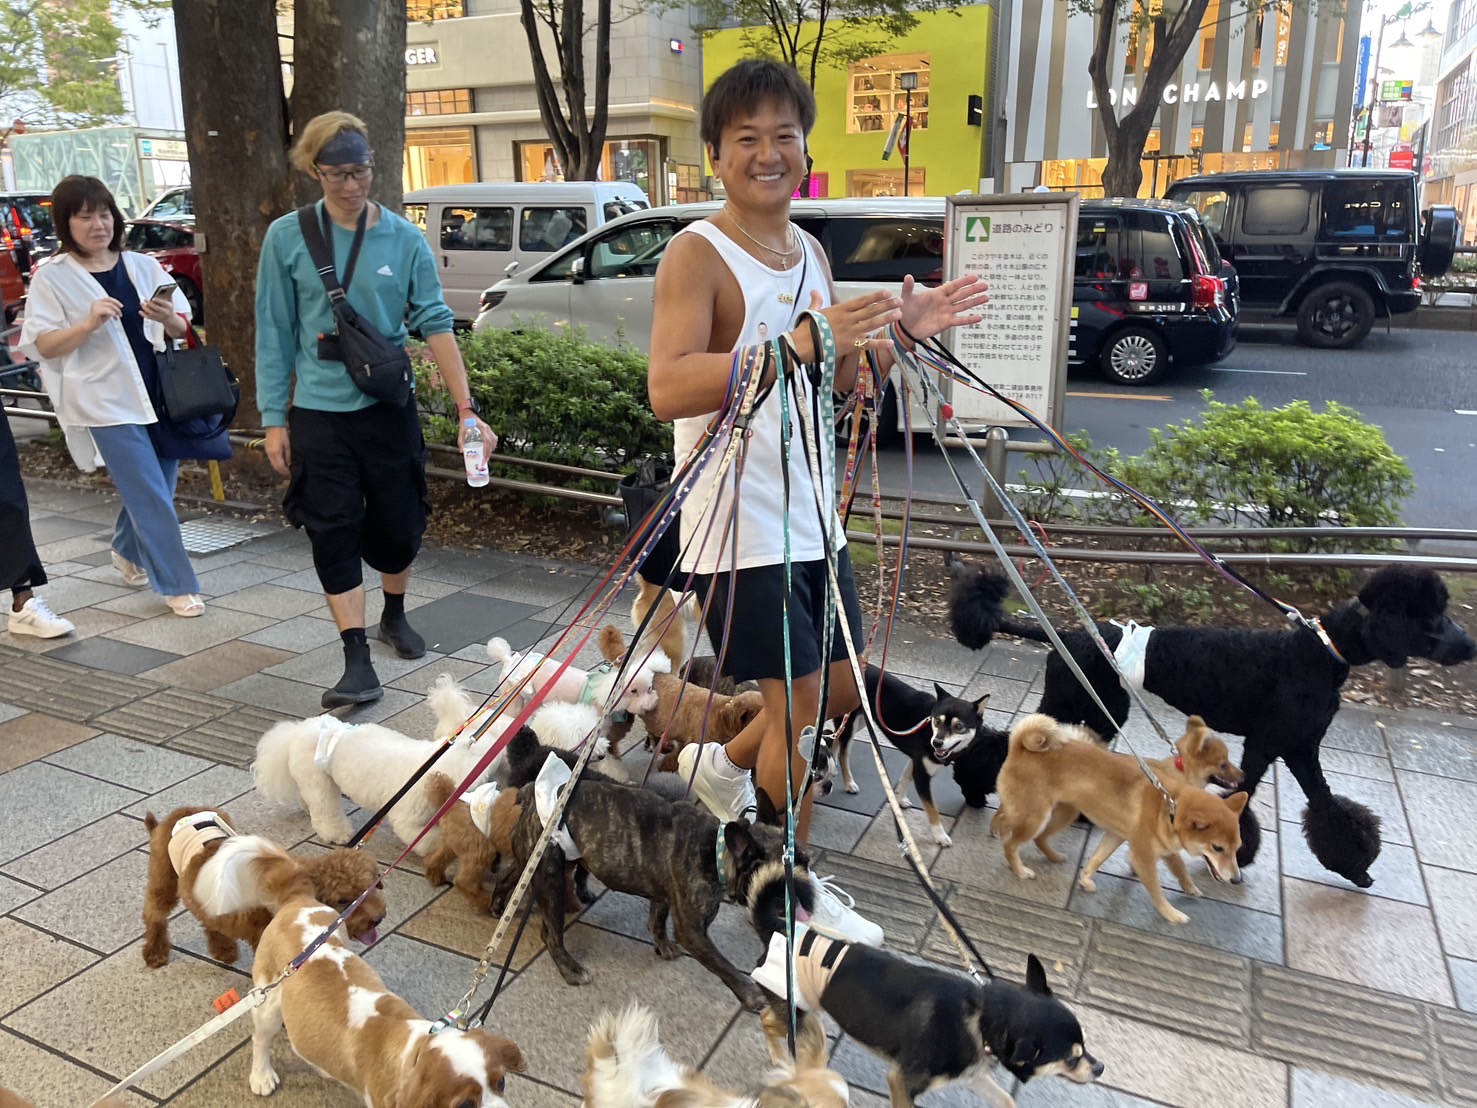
[[935, 1027], [675, 855]]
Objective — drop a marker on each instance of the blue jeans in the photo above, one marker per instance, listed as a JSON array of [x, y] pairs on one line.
[[147, 532]]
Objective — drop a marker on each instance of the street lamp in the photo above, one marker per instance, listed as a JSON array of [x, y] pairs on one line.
[[907, 82], [1400, 16]]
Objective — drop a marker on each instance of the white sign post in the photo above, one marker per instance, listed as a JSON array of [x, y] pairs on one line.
[[1023, 246]]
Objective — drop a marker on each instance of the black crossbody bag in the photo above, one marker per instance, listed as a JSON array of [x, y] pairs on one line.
[[378, 368]]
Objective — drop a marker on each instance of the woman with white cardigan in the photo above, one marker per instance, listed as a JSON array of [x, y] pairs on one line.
[[94, 324]]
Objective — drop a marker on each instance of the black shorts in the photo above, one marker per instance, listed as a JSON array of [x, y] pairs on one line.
[[359, 490], [756, 644]]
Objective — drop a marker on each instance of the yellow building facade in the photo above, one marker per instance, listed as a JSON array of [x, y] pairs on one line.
[[946, 58]]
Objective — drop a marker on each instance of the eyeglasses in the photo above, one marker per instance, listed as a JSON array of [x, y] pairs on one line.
[[339, 176]]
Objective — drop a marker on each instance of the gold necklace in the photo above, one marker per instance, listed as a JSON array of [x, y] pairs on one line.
[[783, 255]]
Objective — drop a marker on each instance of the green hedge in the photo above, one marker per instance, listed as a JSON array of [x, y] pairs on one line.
[[554, 397]]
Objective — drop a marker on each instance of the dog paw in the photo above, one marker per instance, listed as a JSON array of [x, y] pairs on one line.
[[904, 802], [941, 837], [264, 1082], [752, 999], [853, 788], [336, 833], [1174, 915], [577, 976], [1026, 873], [1087, 884], [1191, 889], [668, 951]]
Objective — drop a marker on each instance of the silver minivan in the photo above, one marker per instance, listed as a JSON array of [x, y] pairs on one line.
[[483, 231]]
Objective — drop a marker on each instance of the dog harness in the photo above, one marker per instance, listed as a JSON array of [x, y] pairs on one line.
[[1132, 653], [480, 801], [816, 960], [546, 787], [587, 691], [191, 833], [720, 854], [330, 730]]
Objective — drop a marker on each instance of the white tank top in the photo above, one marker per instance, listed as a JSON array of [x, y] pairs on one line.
[[773, 300]]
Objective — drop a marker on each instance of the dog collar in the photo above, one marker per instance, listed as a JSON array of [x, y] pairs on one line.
[[587, 691], [720, 854]]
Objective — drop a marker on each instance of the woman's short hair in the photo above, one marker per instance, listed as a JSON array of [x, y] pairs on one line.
[[75, 195], [741, 91], [318, 133]]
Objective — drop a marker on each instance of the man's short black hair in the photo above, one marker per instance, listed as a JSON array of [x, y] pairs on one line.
[[741, 91]]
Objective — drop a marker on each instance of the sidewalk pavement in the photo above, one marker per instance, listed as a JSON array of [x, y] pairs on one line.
[[1293, 989]]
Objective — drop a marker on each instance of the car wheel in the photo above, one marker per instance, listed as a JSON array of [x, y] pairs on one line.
[[1335, 316], [194, 299], [1134, 356]]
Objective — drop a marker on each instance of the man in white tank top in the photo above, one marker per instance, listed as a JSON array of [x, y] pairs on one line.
[[738, 279]]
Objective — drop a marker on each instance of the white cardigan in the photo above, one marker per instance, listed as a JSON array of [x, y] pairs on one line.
[[98, 384]]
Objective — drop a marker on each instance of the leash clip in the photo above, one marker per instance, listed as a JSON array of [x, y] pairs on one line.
[[455, 1018]]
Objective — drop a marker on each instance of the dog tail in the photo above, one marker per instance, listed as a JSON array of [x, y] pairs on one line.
[[977, 611], [1039, 733], [272, 769], [624, 1060], [151, 821], [247, 872], [450, 704], [499, 651], [438, 788], [612, 643]]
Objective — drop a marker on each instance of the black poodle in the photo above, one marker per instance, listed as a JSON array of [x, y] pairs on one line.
[[1277, 689]]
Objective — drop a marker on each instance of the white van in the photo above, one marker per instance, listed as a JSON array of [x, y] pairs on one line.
[[483, 232]]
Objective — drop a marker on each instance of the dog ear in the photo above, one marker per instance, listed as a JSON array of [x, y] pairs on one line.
[[506, 1051], [1024, 1052], [1237, 802], [743, 848], [1197, 733], [939, 692], [982, 703], [1036, 976]]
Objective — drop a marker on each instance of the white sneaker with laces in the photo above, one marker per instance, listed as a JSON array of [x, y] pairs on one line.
[[35, 618], [722, 788], [838, 920]]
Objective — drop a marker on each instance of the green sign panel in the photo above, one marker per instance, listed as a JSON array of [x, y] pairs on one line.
[[977, 228]]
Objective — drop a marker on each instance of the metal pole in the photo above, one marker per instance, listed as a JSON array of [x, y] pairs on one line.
[[1374, 95], [997, 441], [908, 146]]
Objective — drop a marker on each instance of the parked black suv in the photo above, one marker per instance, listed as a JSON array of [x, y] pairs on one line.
[[1332, 250]]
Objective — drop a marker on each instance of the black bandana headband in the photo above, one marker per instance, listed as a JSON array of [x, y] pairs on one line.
[[346, 148]]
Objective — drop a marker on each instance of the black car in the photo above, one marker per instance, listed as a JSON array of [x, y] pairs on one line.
[[30, 210], [1330, 250], [1150, 290]]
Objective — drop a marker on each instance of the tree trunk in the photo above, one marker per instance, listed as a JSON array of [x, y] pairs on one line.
[[349, 55], [578, 139], [231, 90]]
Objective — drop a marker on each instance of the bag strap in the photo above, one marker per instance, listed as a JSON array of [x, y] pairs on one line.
[[319, 240]]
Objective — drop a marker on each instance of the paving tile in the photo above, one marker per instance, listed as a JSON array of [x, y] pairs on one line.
[[1439, 811], [325, 665], [231, 738], [459, 568], [253, 814], [1054, 1093], [102, 652], [35, 961], [269, 600], [9, 712], [1158, 980], [13, 894], [889, 895], [89, 910], [1006, 694], [1366, 940], [977, 861], [1368, 1036], [869, 798], [866, 1071], [919, 653], [35, 735], [1381, 797], [294, 559], [880, 843], [1005, 930], [731, 931], [137, 604], [469, 618], [832, 828], [217, 666], [1396, 872], [450, 923], [47, 529], [66, 690], [217, 785], [236, 578], [465, 673], [1456, 1047], [70, 856], [1454, 900], [94, 1016], [1315, 1089], [66, 594], [1464, 983], [295, 698], [189, 636], [132, 763], [1352, 764], [50, 1081], [1154, 1062], [1439, 751], [163, 715], [298, 635], [1355, 729], [40, 803], [535, 585], [544, 1016]]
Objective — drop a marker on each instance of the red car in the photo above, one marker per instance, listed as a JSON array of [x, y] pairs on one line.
[[12, 287], [171, 241]]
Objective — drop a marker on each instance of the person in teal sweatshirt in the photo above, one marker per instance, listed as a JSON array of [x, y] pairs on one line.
[[357, 466]]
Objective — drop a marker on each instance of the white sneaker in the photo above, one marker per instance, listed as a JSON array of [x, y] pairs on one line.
[[840, 921], [35, 618], [721, 787]]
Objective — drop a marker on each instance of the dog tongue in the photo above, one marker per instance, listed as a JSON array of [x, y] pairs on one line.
[[801, 915], [370, 937]]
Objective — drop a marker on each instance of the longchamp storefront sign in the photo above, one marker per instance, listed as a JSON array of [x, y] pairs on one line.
[[1191, 92]]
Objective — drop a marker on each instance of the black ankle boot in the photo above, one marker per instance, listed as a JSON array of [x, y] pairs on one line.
[[397, 632], [359, 684]]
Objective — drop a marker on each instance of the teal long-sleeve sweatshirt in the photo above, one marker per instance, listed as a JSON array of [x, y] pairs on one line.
[[395, 289]]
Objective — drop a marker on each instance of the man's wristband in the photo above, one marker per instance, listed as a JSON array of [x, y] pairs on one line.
[[468, 405]]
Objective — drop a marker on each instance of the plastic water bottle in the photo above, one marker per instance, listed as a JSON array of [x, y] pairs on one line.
[[474, 453]]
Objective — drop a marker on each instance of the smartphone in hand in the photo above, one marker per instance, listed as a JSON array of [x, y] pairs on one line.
[[165, 293]]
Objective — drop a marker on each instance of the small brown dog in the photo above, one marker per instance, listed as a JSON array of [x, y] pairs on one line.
[[669, 626], [1051, 774], [678, 718], [227, 897], [462, 841], [10, 1099]]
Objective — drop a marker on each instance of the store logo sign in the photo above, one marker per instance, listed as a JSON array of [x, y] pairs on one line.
[[1189, 93], [977, 228], [421, 55]]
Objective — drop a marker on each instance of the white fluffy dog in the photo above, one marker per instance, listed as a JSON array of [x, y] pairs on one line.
[[574, 684], [307, 763]]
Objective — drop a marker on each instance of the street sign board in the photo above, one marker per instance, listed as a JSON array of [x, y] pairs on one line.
[[1397, 90], [1361, 70], [1022, 244], [1402, 159]]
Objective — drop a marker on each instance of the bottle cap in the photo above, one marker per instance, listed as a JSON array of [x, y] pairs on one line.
[[470, 421]]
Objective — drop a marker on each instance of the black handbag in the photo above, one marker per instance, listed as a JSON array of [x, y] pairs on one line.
[[640, 492], [195, 383], [377, 366]]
